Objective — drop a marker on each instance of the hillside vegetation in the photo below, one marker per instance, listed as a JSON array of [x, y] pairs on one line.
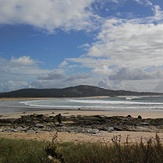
[[78, 91]]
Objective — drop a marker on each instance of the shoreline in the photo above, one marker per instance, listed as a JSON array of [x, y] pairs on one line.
[[135, 114], [68, 112]]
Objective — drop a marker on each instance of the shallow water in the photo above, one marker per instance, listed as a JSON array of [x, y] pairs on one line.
[[146, 103]]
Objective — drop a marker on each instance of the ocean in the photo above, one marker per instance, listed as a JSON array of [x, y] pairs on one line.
[[147, 103]]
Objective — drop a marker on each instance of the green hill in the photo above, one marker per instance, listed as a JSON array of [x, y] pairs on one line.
[[77, 91]]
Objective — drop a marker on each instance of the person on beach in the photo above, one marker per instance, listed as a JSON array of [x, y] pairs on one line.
[[59, 119]]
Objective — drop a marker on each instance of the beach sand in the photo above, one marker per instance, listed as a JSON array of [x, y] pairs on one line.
[[78, 137], [102, 137]]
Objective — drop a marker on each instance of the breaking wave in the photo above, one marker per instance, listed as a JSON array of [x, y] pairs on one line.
[[99, 103]]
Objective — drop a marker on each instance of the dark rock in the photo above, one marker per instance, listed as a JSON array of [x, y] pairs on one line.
[[80, 124], [40, 125], [129, 116], [139, 117], [118, 129], [4, 121], [60, 125]]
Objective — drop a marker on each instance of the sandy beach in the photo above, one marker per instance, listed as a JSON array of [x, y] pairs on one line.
[[105, 137], [78, 137]]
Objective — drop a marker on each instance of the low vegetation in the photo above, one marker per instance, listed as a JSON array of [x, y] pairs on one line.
[[24, 151]]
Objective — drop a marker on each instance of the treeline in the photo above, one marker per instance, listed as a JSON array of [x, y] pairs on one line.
[[77, 91]]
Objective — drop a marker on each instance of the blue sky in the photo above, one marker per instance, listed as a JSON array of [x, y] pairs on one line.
[[114, 44]]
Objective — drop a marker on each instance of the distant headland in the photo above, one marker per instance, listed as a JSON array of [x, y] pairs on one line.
[[76, 91]]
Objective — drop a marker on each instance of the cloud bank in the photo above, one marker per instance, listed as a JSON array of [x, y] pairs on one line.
[[48, 14]]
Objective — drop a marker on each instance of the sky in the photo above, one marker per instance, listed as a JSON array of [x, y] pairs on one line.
[[112, 44]]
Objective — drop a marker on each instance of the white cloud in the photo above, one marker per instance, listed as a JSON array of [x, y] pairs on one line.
[[53, 75], [63, 64], [126, 73], [13, 85], [23, 66], [114, 84], [104, 71], [89, 62], [47, 14], [84, 46], [17, 73], [65, 81], [127, 53], [157, 12], [144, 2], [77, 77], [24, 72], [22, 61], [148, 2], [126, 44], [134, 85]]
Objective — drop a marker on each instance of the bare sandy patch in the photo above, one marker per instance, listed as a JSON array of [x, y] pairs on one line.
[[102, 137]]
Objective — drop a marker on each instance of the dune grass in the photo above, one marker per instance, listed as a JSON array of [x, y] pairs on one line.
[[150, 151], [24, 151]]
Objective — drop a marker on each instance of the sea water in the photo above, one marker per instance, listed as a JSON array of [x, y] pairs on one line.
[[95, 103]]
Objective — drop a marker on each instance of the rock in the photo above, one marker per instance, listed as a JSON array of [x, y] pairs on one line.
[[40, 125], [59, 125], [143, 129], [144, 123], [93, 131], [79, 124], [139, 117], [5, 121], [110, 129], [31, 131], [14, 130], [129, 116], [118, 129]]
